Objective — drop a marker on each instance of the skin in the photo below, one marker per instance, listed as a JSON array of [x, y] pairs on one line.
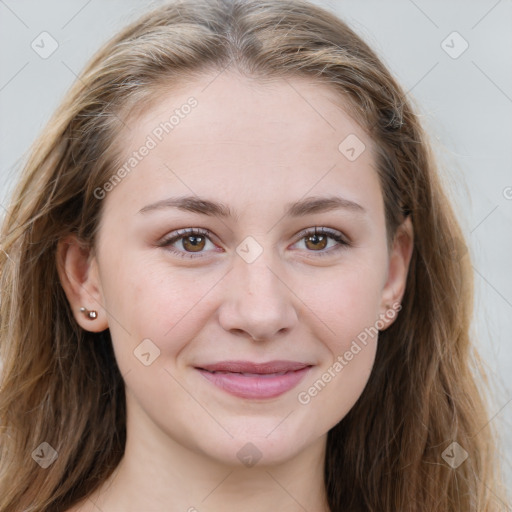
[[256, 148]]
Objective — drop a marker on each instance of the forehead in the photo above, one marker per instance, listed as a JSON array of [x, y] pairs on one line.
[[246, 109], [224, 132]]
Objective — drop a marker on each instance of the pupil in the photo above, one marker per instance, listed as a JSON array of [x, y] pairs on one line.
[[193, 243], [318, 241]]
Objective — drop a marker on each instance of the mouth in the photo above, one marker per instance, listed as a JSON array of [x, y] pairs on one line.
[[250, 380]]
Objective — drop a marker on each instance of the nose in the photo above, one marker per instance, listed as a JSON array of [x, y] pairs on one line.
[[258, 304]]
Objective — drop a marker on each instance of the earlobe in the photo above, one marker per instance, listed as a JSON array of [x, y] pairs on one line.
[[78, 273], [399, 261]]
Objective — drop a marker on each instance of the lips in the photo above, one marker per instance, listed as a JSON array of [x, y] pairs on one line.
[[254, 368], [250, 380]]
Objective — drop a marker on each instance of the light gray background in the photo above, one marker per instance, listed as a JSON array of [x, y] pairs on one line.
[[466, 104]]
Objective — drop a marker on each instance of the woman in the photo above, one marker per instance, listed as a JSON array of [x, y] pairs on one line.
[[230, 281]]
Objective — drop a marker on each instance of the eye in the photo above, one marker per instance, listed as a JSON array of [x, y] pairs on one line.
[[193, 242], [323, 241], [188, 243]]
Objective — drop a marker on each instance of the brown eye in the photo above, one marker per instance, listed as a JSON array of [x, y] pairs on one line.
[[189, 243], [322, 241], [316, 242], [193, 243]]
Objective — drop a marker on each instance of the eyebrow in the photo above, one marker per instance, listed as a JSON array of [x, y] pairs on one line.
[[300, 208]]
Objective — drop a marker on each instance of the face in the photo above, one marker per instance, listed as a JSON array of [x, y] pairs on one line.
[[242, 267]]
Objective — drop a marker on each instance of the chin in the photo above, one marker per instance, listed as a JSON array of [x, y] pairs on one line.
[[258, 445]]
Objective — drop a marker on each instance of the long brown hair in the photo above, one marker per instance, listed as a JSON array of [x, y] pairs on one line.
[[61, 385]]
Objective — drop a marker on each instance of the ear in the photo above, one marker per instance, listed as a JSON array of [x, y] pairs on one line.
[[78, 272], [399, 260]]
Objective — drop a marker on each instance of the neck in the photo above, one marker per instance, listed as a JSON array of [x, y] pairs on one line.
[[158, 473]]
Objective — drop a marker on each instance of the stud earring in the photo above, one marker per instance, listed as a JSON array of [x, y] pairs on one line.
[[91, 315]]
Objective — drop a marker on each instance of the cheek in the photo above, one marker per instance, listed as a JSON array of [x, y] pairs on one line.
[[336, 387], [154, 301], [348, 308], [345, 299], [351, 341]]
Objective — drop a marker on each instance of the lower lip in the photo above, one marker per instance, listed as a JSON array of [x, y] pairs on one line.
[[255, 386]]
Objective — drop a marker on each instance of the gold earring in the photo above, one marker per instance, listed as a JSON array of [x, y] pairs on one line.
[[91, 315]]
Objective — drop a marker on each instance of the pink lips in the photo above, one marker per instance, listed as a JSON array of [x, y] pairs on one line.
[[255, 380]]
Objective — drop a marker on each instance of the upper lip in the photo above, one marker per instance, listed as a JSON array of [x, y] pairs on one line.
[[250, 367]]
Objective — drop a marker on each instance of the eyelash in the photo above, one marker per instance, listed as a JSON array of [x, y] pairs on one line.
[[183, 233]]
